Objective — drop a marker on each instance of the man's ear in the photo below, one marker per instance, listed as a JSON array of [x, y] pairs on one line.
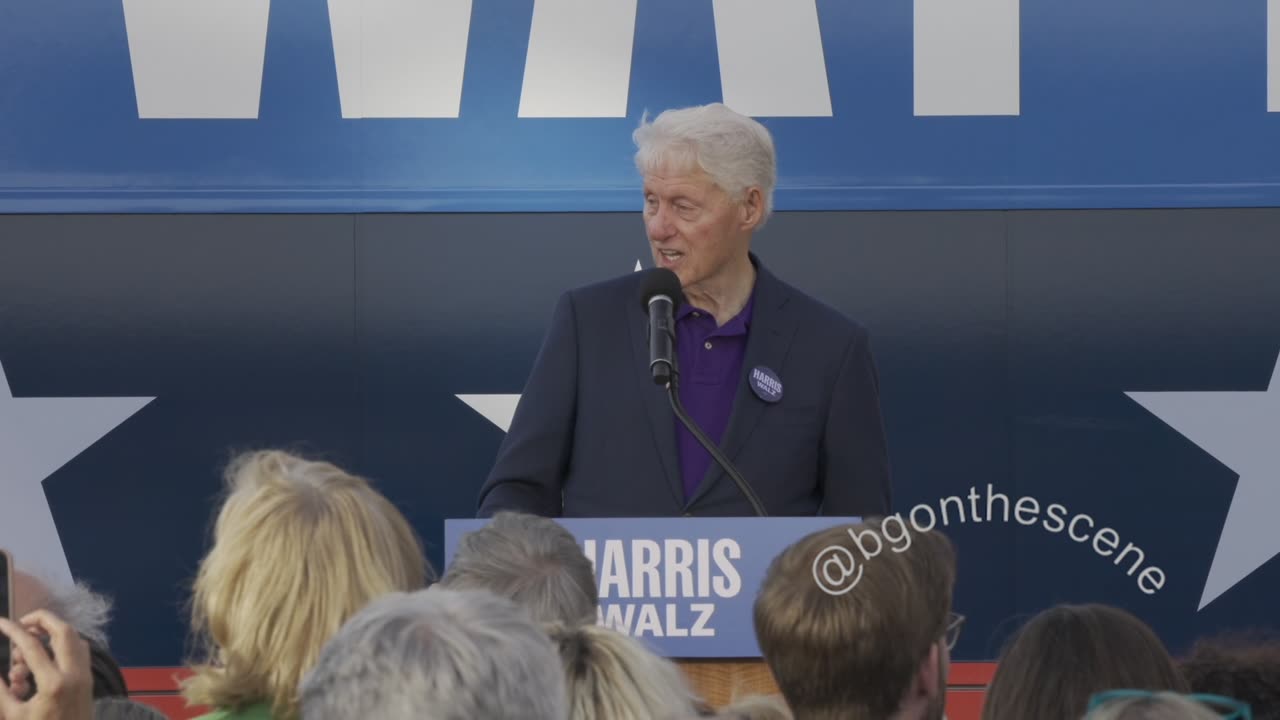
[[751, 210], [929, 681]]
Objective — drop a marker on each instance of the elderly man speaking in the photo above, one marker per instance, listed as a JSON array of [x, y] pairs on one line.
[[785, 385]]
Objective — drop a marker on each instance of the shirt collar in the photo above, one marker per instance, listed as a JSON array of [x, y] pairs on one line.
[[737, 325]]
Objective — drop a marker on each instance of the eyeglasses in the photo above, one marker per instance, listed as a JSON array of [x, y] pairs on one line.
[[1228, 708], [951, 635]]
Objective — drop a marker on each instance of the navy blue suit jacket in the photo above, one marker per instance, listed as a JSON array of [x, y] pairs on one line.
[[593, 436]]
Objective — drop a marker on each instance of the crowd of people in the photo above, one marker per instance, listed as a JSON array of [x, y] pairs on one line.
[[315, 601]]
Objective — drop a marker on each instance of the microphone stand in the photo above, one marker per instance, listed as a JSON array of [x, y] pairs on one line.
[[721, 460]]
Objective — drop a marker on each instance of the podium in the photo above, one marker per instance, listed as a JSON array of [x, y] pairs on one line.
[[685, 587]]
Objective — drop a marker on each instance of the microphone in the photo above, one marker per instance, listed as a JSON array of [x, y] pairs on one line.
[[661, 296]]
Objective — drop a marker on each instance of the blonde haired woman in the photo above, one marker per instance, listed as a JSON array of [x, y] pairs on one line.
[[611, 676], [298, 548]]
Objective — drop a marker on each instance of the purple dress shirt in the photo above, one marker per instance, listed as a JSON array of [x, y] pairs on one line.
[[710, 363]]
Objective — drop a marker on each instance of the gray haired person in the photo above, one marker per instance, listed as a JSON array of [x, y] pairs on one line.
[[437, 654], [86, 611], [530, 560], [76, 603]]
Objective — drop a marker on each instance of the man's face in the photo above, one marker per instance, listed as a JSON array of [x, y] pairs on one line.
[[695, 229]]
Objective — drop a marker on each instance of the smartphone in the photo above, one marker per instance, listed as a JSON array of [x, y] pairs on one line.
[[6, 609]]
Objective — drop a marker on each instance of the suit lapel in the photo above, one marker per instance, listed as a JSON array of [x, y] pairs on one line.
[[768, 340], [657, 406]]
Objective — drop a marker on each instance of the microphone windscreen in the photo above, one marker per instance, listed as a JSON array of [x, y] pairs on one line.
[[660, 281]]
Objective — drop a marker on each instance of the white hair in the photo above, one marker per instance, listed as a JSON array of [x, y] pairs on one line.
[[734, 150], [531, 560], [77, 604], [83, 609], [436, 655], [1158, 706]]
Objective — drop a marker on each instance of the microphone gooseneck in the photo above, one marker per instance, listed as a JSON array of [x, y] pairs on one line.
[[661, 296], [719, 457]]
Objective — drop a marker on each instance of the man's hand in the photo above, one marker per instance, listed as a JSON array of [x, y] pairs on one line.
[[64, 680]]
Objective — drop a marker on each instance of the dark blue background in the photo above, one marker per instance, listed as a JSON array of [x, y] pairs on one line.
[[1006, 342]]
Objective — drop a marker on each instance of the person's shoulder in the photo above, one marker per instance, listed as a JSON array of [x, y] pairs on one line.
[[604, 301], [817, 314]]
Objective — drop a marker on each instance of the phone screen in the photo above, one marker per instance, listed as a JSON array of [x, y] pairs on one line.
[[6, 611]]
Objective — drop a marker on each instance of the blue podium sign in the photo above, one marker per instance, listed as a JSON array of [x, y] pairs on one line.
[[685, 586]]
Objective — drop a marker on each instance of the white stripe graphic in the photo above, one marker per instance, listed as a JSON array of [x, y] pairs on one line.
[[967, 57], [400, 58], [1273, 55], [579, 59], [197, 58], [771, 61]]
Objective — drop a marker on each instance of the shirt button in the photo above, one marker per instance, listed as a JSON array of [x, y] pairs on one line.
[[707, 345], [696, 314]]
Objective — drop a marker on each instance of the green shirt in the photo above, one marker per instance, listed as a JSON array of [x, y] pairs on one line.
[[261, 711]]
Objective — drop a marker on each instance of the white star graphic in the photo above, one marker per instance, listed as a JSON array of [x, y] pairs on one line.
[[1239, 430], [499, 409], [38, 436]]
